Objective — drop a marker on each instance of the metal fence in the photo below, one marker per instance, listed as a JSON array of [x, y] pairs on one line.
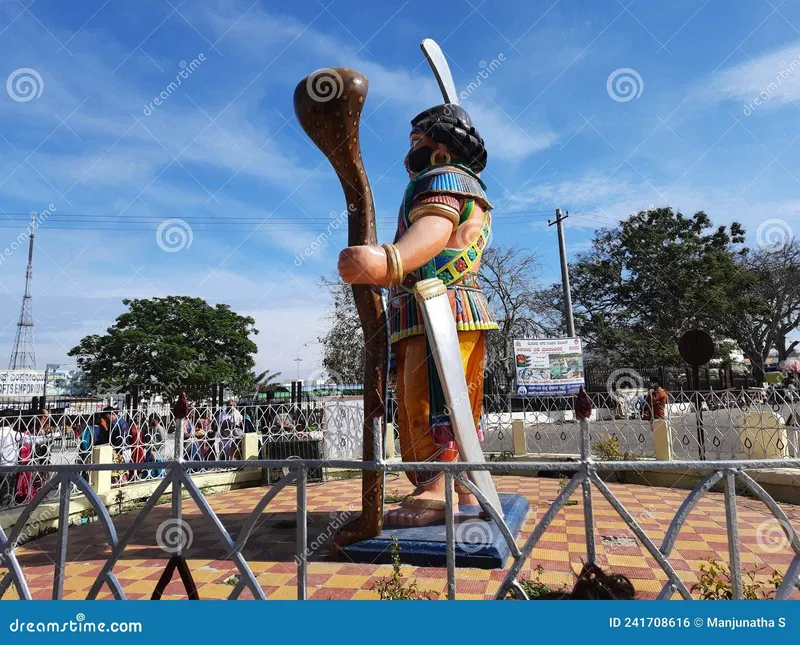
[[329, 428], [588, 476], [703, 425]]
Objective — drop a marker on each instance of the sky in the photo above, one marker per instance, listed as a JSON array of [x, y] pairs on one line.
[[601, 108]]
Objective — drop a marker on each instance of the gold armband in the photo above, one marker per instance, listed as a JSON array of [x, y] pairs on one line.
[[435, 209], [395, 262]]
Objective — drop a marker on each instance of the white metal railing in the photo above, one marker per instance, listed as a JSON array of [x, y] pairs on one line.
[[587, 476], [704, 425], [211, 436]]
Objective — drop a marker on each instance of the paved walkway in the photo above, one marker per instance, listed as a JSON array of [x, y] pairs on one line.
[[270, 550]]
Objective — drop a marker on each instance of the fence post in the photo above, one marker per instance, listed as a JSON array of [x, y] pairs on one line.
[[662, 439], [250, 446], [518, 434], [100, 480], [389, 442]]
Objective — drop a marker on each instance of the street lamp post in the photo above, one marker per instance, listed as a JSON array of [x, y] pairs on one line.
[[297, 360]]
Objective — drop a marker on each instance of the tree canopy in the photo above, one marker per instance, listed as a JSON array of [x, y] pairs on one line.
[[343, 343], [166, 344], [510, 279], [651, 278], [768, 305]]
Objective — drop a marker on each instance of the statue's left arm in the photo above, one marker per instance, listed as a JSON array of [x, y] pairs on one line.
[[432, 224]]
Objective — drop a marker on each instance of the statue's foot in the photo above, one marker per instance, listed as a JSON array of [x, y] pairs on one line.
[[467, 499], [354, 531], [418, 509]]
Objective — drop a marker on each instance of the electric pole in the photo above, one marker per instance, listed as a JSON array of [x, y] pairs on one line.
[[562, 250]]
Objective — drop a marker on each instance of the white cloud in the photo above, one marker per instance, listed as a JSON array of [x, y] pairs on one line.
[[772, 79]]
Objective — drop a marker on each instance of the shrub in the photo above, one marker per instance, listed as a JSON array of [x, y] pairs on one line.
[[534, 587], [393, 588], [608, 448], [715, 582]]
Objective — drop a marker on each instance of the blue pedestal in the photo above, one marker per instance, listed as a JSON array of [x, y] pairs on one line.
[[479, 544]]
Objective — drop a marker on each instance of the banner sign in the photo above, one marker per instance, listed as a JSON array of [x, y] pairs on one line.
[[21, 382], [548, 366]]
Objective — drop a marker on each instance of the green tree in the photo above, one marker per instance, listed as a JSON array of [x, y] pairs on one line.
[[262, 382], [651, 278], [510, 279], [343, 343], [768, 306], [163, 345]]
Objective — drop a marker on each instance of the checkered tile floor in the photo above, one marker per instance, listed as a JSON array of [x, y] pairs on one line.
[[270, 550]]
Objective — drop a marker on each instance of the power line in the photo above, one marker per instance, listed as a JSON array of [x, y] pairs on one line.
[[21, 217]]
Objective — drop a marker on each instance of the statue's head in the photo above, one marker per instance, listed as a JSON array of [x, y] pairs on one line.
[[442, 132]]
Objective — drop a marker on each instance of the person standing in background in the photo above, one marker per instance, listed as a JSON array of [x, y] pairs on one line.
[[655, 403]]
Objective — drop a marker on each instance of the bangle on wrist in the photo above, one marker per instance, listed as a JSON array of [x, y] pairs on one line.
[[395, 264]]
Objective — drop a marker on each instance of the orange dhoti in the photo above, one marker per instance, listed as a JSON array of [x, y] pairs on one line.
[[417, 440]]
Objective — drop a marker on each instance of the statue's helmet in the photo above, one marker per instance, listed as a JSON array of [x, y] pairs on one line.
[[451, 125]]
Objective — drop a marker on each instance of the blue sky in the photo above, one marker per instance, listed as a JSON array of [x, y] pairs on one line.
[[224, 154]]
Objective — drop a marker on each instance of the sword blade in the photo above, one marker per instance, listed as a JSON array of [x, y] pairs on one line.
[[440, 329], [441, 70]]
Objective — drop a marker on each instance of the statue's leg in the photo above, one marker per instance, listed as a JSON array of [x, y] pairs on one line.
[[473, 355], [426, 504]]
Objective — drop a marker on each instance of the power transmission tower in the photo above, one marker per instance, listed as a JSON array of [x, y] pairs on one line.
[[23, 354], [562, 251]]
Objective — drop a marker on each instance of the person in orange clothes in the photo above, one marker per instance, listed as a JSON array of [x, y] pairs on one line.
[[655, 404]]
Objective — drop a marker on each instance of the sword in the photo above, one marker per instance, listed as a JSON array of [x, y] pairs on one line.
[[440, 329]]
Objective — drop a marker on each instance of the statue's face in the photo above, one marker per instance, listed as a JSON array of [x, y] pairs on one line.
[[418, 141]]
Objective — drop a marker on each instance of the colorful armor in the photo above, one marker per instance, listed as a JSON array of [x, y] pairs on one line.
[[454, 266]]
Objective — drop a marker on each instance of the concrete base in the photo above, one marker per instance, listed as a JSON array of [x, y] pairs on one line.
[[479, 544]]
